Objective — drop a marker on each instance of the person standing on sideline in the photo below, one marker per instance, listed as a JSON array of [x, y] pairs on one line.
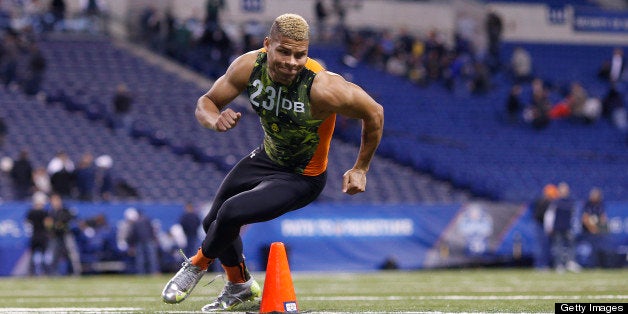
[[142, 241], [595, 227], [40, 222], [297, 101], [561, 234], [542, 243], [190, 222], [63, 244]]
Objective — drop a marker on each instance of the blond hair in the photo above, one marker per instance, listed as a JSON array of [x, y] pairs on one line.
[[292, 26]]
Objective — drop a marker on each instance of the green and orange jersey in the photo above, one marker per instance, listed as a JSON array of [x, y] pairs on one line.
[[292, 137]]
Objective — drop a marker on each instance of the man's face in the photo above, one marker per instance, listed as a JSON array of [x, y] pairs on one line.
[[286, 58]]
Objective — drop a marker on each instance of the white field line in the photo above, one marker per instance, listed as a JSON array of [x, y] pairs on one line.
[[60, 310], [344, 298], [71, 310], [468, 297]]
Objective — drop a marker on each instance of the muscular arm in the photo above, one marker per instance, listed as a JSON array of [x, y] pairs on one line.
[[209, 107], [333, 94]]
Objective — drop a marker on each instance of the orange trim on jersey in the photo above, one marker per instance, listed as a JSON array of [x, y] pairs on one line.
[[313, 65], [318, 163]]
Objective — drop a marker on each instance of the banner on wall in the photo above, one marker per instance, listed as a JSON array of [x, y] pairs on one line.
[[475, 234], [369, 237], [596, 20]]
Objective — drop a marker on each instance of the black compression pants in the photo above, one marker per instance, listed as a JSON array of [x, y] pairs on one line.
[[255, 190]]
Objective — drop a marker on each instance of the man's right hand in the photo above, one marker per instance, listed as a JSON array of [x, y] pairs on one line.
[[227, 120]]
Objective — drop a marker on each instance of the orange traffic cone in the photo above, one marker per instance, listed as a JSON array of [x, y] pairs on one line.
[[278, 295]]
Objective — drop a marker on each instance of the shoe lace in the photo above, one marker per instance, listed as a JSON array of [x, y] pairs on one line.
[[186, 279], [185, 258], [214, 279]]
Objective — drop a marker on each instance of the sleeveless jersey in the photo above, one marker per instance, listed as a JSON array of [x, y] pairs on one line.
[[292, 137]]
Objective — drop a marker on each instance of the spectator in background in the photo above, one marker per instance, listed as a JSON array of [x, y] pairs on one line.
[[434, 43], [573, 105], [340, 9], [212, 12], [97, 242], [61, 171], [385, 49], [320, 11], [190, 222], [433, 69], [591, 111], [41, 180], [40, 222], [36, 68], [10, 51], [147, 20], [557, 220], [513, 103], [577, 100], [93, 7], [253, 33], [35, 12], [613, 69], [405, 40], [95, 11], [396, 64], [63, 246], [542, 245], [480, 79], [122, 107], [465, 33], [57, 10], [86, 177], [537, 112], [494, 30], [143, 246], [453, 68], [218, 49], [521, 65], [614, 109], [21, 174], [171, 242], [595, 227], [104, 177], [123, 231]]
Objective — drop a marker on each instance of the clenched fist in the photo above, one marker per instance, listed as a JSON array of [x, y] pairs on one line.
[[354, 181], [227, 120]]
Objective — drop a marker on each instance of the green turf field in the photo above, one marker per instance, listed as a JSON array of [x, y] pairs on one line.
[[465, 290]]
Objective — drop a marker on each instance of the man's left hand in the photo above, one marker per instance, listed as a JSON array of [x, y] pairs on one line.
[[354, 181]]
